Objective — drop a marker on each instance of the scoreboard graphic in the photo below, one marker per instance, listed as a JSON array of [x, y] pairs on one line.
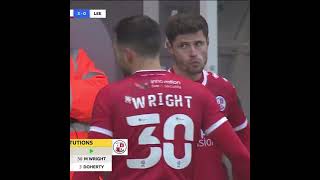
[[88, 13]]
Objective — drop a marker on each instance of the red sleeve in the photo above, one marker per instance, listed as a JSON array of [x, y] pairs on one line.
[[238, 119], [220, 130], [230, 144], [244, 135], [212, 115]]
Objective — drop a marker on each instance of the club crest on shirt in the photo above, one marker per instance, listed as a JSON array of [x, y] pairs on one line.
[[221, 102]]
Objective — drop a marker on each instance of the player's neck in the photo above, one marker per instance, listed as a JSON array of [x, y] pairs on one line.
[[147, 64], [194, 77]]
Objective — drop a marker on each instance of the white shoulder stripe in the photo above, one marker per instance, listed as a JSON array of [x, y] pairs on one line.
[[205, 77], [242, 126], [215, 75], [101, 130], [226, 80], [215, 125]]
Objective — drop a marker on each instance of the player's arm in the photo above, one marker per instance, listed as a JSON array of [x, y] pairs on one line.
[[238, 120], [100, 128], [219, 129]]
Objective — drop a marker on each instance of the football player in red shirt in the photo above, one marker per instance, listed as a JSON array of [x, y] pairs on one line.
[[188, 42], [158, 112]]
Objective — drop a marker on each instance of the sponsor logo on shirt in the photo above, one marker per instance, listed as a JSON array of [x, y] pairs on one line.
[[204, 142]]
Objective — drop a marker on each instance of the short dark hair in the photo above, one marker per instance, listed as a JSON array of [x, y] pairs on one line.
[[185, 23], [140, 33]]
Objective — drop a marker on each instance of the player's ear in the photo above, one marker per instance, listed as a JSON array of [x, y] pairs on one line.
[[169, 47], [130, 55]]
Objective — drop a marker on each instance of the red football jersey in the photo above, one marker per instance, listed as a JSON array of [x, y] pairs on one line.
[[161, 115], [209, 156], [159, 119]]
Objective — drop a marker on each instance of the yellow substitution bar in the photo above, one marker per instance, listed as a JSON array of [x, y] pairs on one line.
[[75, 143]]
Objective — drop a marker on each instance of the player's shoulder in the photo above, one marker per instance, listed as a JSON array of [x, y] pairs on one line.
[[186, 81], [218, 80], [116, 86], [123, 83], [196, 90]]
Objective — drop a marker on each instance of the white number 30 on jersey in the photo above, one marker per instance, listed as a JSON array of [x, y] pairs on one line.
[[168, 134]]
